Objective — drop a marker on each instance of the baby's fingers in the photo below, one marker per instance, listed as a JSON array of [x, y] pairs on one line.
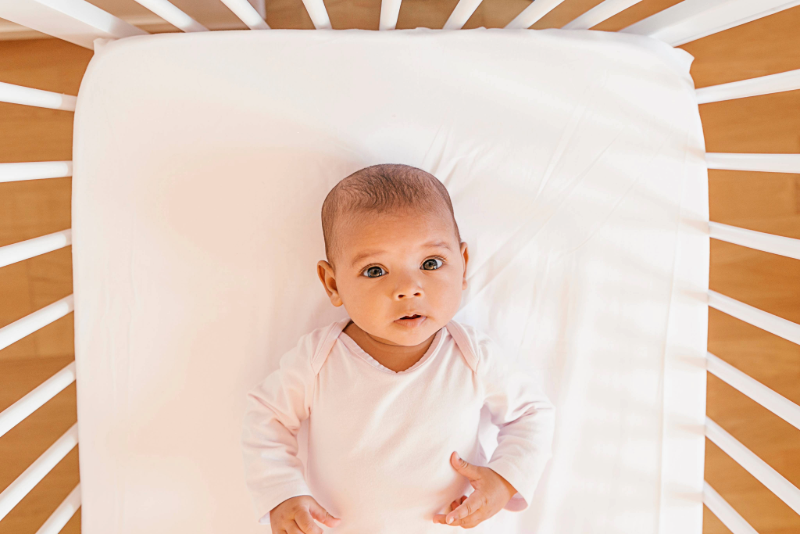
[[292, 528], [315, 511], [469, 512], [303, 524], [454, 504], [304, 521]]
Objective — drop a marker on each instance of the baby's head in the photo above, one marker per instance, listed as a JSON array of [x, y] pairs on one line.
[[393, 250]]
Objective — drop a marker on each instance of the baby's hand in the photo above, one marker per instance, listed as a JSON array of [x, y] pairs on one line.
[[297, 515], [491, 494]]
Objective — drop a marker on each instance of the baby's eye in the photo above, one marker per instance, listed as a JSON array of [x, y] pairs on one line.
[[428, 266], [374, 270]]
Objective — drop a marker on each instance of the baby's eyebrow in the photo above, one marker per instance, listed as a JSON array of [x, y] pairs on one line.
[[363, 255], [430, 244], [437, 244]]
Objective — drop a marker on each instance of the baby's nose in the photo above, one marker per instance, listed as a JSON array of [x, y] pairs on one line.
[[407, 288], [408, 293]]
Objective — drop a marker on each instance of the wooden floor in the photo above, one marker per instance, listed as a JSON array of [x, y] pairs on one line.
[[760, 201]]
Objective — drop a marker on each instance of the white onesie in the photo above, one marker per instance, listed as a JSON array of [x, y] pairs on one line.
[[379, 442]]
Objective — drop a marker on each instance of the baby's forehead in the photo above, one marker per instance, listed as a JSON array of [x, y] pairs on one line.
[[361, 216], [374, 226]]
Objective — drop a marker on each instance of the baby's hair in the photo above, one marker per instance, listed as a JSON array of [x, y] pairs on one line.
[[382, 188]]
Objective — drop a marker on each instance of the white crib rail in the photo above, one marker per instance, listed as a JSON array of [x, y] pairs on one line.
[[602, 11], [692, 19], [247, 14], [318, 13], [390, 10], [769, 399], [461, 14], [76, 21], [63, 513], [776, 403], [754, 162], [774, 83], [774, 244], [34, 247], [777, 484], [173, 15], [37, 471], [39, 319], [14, 414], [725, 512], [14, 172], [17, 94], [763, 320], [531, 14]]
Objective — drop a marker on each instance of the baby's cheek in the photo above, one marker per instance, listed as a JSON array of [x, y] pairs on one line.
[[365, 313]]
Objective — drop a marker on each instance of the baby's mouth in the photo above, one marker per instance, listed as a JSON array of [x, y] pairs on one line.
[[411, 321]]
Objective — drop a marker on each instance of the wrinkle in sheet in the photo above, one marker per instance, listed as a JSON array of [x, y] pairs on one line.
[[616, 205], [526, 233], [590, 94]]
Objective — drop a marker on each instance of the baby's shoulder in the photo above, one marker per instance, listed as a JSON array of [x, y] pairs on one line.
[[313, 347], [486, 350]]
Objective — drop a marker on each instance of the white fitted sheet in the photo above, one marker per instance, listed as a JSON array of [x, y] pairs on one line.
[[575, 162]]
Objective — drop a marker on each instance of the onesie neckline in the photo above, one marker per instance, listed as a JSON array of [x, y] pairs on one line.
[[356, 349]]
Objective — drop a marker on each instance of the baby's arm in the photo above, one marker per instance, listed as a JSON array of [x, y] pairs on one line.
[[275, 410], [526, 419]]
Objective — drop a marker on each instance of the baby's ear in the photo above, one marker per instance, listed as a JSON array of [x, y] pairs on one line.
[[328, 279], [465, 255]]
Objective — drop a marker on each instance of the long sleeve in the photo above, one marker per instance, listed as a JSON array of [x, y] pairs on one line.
[[275, 410], [526, 421]]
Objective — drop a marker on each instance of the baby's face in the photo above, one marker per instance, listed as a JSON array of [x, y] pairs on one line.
[[395, 265]]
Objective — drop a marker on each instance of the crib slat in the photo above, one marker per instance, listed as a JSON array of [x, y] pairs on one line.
[[14, 172], [37, 471], [461, 14], [602, 11], [390, 10], [31, 323], [532, 13], [774, 83], [789, 163], [34, 247], [27, 96], [260, 7], [64, 513], [692, 19], [759, 318], [11, 416], [247, 14], [769, 399], [724, 512], [173, 15], [318, 13], [76, 21], [774, 244], [777, 484]]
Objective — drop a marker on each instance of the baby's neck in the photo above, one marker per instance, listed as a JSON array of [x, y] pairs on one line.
[[398, 358]]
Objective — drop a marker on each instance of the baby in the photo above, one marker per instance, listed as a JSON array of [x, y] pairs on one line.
[[394, 392]]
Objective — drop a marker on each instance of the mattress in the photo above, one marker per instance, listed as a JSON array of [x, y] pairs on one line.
[[575, 162]]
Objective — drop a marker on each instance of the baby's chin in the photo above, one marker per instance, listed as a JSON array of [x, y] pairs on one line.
[[410, 333]]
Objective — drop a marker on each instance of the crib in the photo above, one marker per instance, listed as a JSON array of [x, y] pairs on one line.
[[81, 23]]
